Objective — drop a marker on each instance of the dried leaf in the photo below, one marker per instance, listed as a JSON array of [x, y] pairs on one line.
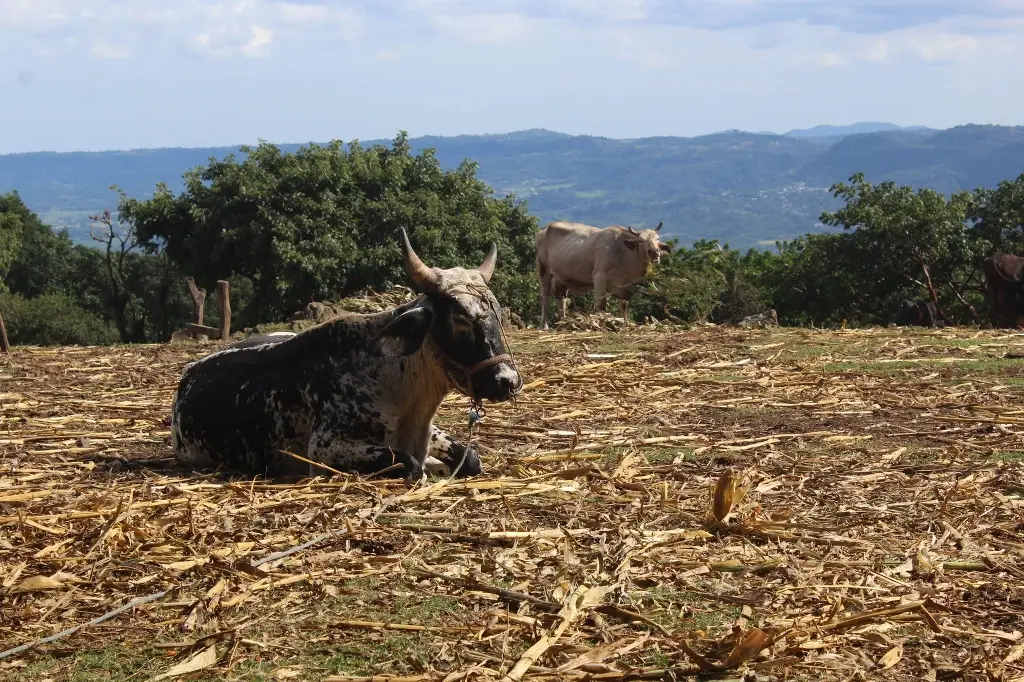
[[38, 583], [891, 657], [749, 645], [722, 499], [198, 661]]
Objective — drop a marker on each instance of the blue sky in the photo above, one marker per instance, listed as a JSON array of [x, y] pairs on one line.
[[115, 74]]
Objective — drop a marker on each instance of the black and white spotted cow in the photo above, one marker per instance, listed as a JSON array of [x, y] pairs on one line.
[[358, 392]]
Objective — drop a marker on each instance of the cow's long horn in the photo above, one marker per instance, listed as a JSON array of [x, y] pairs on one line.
[[631, 230], [487, 267], [658, 228], [425, 278]]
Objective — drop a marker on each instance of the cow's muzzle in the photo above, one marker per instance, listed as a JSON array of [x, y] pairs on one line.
[[503, 385]]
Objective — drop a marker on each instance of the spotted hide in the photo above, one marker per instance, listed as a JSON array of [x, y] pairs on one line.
[[357, 393]]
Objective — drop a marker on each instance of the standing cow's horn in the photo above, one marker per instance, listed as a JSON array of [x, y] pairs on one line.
[[631, 230], [425, 278], [487, 267], [658, 228]]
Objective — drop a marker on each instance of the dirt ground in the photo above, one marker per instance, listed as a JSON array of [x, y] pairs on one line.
[[747, 504]]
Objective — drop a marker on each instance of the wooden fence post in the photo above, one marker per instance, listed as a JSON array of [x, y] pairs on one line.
[[199, 296], [224, 296], [5, 345]]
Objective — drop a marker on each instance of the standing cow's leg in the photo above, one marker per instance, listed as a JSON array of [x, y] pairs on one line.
[[545, 292], [600, 292], [560, 293], [623, 309], [445, 453]]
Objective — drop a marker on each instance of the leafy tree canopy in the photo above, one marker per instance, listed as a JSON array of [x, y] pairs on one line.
[[324, 222]]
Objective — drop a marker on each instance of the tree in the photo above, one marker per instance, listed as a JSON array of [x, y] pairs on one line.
[[118, 244], [324, 222], [918, 237], [998, 216], [35, 259]]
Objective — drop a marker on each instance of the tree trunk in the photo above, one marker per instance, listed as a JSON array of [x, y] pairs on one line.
[[931, 290], [974, 313], [5, 345]]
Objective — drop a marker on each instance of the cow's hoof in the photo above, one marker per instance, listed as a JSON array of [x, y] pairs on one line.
[[472, 466]]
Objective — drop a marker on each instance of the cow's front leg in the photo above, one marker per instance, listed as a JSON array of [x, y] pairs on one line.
[[444, 454], [600, 291]]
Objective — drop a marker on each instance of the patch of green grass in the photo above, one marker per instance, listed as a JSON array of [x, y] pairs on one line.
[[1015, 456], [665, 455], [987, 366], [328, 650], [121, 663], [668, 609]]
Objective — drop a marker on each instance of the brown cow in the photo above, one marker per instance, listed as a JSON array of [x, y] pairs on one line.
[[579, 258], [1004, 284]]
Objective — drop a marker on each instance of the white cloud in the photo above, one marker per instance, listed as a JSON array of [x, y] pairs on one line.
[[486, 29], [943, 47], [32, 14], [385, 56], [102, 49], [298, 13], [628, 47], [234, 42], [213, 28], [609, 10]]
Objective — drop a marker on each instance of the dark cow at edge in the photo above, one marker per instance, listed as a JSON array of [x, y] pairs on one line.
[[358, 392], [1004, 286]]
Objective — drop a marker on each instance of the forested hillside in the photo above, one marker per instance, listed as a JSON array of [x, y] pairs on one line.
[[740, 188]]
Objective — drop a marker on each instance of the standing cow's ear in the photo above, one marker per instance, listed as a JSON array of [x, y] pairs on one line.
[[631, 244], [667, 248], [405, 334]]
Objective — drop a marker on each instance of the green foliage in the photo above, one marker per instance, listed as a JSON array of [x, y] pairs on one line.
[[998, 215], [324, 223], [52, 319], [706, 283], [142, 295]]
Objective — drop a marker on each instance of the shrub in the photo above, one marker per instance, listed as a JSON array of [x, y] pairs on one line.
[[51, 320]]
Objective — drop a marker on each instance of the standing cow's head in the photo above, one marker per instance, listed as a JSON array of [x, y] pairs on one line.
[[463, 318], [648, 243]]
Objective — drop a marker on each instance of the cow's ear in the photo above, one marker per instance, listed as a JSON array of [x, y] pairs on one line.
[[667, 248], [405, 334], [631, 244]]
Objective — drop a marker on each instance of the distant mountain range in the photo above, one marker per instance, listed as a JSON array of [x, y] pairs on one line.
[[855, 129], [745, 189]]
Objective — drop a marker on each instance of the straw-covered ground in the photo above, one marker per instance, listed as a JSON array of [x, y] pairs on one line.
[[760, 504]]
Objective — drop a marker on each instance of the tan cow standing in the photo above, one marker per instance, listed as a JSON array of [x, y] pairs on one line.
[[579, 258]]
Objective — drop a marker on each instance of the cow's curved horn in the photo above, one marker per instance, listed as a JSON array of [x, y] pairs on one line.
[[425, 278], [658, 228], [631, 230], [487, 267]]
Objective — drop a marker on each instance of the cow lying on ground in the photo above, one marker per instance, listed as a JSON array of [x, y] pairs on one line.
[[358, 392], [577, 258]]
